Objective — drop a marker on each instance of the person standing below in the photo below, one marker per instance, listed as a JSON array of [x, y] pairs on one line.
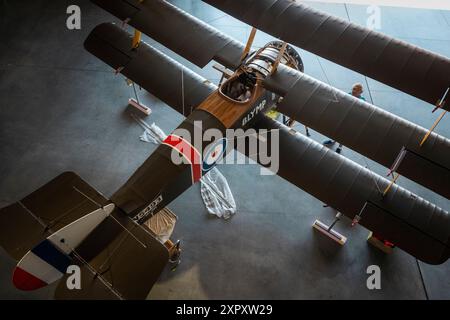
[[357, 92]]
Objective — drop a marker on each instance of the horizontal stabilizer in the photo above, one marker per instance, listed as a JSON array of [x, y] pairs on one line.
[[67, 222], [55, 205]]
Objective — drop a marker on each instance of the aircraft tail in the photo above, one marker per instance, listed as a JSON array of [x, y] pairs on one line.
[[67, 222], [50, 208], [49, 260]]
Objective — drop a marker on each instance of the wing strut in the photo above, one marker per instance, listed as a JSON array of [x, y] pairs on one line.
[[280, 55], [440, 105], [137, 36], [248, 46], [433, 127], [136, 39]]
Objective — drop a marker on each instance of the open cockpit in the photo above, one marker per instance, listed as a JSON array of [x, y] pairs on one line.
[[239, 88]]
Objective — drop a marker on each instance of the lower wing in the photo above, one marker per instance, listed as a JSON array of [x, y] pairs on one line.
[[413, 224]]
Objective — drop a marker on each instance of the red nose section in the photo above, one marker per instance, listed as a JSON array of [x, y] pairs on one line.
[[25, 281]]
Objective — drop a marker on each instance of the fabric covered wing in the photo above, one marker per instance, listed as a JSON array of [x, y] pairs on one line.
[[418, 72], [413, 224], [177, 30], [151, 69], [367, 129]]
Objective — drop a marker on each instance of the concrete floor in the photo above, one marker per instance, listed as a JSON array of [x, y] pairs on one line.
[[62, 109]]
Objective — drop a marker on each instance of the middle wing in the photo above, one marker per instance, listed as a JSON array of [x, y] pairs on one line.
[[371, 131]]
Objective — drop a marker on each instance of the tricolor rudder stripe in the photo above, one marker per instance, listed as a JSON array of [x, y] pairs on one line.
[[43, 265], [49, 260]]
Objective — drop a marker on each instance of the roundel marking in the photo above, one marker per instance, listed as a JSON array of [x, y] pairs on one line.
[[214, 154]]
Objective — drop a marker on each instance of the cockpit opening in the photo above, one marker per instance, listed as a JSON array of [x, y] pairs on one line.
[[240, 88]]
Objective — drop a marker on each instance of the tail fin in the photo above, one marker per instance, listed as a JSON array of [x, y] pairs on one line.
[[49, 260]]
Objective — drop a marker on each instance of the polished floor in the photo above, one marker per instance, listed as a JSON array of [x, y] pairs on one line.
[[62, 109]]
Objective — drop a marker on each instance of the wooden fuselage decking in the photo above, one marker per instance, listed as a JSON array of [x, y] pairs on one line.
[[233, 114]]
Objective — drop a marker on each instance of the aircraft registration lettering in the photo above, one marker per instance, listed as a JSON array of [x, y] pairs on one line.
[[149, 210], [252, 114]]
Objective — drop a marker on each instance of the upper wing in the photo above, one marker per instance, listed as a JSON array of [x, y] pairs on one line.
[[52, 207], [151, 69], [413, 224], [363, 127], [418, 72], [177, 30]]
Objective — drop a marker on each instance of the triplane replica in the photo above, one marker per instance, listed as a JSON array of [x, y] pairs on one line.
[[67, 222]]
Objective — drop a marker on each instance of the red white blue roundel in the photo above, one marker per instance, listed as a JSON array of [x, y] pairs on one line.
[[215, 153]]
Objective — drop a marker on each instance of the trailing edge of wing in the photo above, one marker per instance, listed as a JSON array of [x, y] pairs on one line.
[[177, 30], [151, 69], [418, 72], [369, 130], [413, 224]]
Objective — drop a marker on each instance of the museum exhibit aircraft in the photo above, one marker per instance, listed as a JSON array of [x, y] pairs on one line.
[[67, 222]]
